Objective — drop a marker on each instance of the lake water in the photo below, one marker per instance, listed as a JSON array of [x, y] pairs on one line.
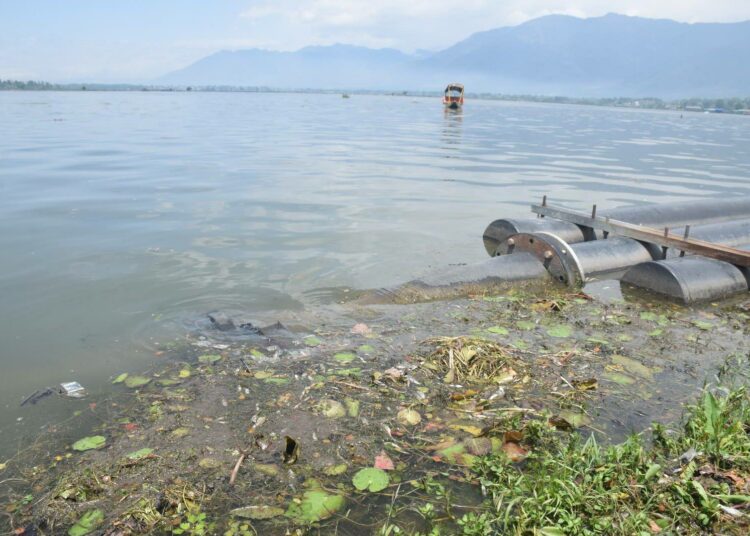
[[125, 216]]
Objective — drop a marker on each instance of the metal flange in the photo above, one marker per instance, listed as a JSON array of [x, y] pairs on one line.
[[552, 251]]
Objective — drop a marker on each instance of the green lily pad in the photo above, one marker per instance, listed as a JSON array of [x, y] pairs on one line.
[[89, 443], [344, 357], [180, 432], [87, 523], [456, 454], [371, 479], [257, 512], [498, 330], [632, 366], [576, 420], [140, 454], [560, 331], [257, 353], [184, 373], [277, 380], [649, 316], [209, 358], [702, 324], [365, 349], [312, 340], [352, 407], [315, 505], [525, 325], [656, 333], [134, 382], [622, 379], [121, 378], [209, 463]]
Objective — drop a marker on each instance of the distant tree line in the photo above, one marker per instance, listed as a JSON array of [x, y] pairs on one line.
[[729, 105]]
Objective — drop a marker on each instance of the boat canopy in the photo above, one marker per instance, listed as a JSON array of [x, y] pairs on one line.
[[454, 88]]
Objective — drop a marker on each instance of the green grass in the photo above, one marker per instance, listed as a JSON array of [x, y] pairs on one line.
[[575, 486]]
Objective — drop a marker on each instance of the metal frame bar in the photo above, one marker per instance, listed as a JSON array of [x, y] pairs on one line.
[[647, 234]]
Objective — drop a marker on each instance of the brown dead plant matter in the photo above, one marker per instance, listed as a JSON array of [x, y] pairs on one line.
[[472, 359]]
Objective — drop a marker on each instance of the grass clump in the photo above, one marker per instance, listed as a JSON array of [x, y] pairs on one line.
[[471, 359], [695, 481]]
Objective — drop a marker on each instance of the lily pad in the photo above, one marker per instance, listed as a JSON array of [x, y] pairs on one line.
[[702, 324], [121, 378], [498, 330], [456, 454], [408, 417], [312, 340], [134, 382], [560, 331], [209, 463], [525, 325], [352, 407], [180, 432], [315, 505], [257, 512], [344, 357], [87, 523], [371, 479], [184, 373], [365, 349], [263, 374], [89, 443], [209, 358], [332, 409], [140, 454], [276, 380], [632, 366], [622, 379], [576, 420]]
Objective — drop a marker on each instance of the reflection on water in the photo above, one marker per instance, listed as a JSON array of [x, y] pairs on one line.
[[124, 215]]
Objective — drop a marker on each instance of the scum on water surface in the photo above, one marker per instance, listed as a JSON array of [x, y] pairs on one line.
[[394, 419]]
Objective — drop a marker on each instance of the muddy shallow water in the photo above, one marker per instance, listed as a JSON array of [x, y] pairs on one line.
[[366, 386]]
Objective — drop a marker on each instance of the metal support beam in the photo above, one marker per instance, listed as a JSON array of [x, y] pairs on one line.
[[646, 234]]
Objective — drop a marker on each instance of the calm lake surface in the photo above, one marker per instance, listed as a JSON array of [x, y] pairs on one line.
[[126, 216]]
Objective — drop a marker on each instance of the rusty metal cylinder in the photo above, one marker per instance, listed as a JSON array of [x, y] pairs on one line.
[[672, 215]]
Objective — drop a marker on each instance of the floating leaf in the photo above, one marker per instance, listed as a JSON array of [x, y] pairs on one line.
[[365, 349], [352, 407], [408, 417], [649, 316], [257, 512], [361, 329], [371, 479], [702, 324], [121, 378], [180, 432], [315, 505], [656, 333], [575, 419], [498, 330], [633, 366], [456, 454], [560, 331], [263, 374], [277, 380], [134, 382], [267, 469], [184, 373], [209, 463], [336, 470], [344, 357], [525, 325], [167, 382], [383, 461], [622, 379], [209, 358], [332, 409], [139, 454], [3, 466], [87, 523], [312, 340], [89, 443]]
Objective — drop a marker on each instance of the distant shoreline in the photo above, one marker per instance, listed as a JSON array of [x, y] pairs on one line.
[[729, 105]]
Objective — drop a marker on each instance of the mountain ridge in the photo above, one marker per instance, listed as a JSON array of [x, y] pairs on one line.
[[612, 55]]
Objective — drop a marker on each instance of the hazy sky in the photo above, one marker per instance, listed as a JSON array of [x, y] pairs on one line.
[[135, 40]]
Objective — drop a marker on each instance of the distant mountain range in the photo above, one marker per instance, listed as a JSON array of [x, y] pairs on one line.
[[613, 55]]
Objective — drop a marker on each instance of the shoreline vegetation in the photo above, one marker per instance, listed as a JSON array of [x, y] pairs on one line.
[[730, 105], [533, 413]]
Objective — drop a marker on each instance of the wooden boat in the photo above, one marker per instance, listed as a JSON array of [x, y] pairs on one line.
[[454, 96]]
